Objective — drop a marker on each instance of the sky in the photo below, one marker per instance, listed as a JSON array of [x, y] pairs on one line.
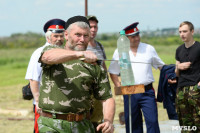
[[21, 16]]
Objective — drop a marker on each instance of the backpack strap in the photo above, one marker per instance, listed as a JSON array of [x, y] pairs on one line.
[[102, 49]]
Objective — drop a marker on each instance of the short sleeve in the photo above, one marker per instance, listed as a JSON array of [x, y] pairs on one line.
[[114, 67], [102, 88], [49, 47], [157, 62]]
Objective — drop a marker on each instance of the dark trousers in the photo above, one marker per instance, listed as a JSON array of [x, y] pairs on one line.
[[146, 103]]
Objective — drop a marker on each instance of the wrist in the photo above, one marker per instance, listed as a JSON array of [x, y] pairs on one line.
[[106, 120], [81, 54], [176, 66]]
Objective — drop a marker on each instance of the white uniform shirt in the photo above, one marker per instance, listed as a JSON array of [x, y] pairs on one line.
[[142, 72], [34, 69]]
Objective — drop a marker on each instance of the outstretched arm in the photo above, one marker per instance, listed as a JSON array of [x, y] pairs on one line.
[[57, 56]]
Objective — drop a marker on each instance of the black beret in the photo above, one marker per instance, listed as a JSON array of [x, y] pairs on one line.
[[55, 25], [76, 19]]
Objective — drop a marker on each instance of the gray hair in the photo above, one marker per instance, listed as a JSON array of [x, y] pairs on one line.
[[79, 24], [48, 35]]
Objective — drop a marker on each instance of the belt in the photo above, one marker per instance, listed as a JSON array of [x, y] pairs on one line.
[[149, 86], [69, 117]]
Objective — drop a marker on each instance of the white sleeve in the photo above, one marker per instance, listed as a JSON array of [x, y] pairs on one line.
[[34, 67], [114, 67], [157, 62]]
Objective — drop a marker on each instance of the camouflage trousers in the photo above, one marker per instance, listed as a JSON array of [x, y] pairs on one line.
[[50, 125], [188, 107]]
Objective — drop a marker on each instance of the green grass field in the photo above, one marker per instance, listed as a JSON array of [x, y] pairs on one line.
[[13, 65]]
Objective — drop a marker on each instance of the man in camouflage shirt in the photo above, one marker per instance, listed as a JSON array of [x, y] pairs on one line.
[[68, 83]]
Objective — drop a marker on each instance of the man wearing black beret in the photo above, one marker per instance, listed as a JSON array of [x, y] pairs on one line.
[[69, 82]]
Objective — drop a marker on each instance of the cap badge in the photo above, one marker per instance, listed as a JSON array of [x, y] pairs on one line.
[[57, 26]]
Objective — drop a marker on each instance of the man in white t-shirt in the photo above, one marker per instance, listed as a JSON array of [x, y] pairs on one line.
[[54, 33], [145, 102]]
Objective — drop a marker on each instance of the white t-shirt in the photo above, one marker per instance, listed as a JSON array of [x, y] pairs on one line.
[[34, 69], [142, 72]]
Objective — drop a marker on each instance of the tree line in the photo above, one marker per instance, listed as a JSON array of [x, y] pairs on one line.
[[34, 40]]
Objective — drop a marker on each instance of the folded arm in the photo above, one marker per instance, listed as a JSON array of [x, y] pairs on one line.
[[181, 66]]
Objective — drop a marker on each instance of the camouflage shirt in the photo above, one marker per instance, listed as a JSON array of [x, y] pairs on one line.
[[67, 87]]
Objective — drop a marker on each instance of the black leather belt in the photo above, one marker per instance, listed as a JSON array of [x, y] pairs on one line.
[[149, 86]]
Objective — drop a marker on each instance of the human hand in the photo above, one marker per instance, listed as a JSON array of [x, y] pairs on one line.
[[199, 84], [39, 110], [184, 66], [172, 81], [106, 127], [89, 57]]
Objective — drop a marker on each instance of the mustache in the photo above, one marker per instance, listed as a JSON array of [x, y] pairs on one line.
[[58, 42]]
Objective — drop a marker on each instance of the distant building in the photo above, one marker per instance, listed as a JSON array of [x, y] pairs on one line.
[[165, 32]]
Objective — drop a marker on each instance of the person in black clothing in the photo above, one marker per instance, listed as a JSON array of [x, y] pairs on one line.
[[188, 72]]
